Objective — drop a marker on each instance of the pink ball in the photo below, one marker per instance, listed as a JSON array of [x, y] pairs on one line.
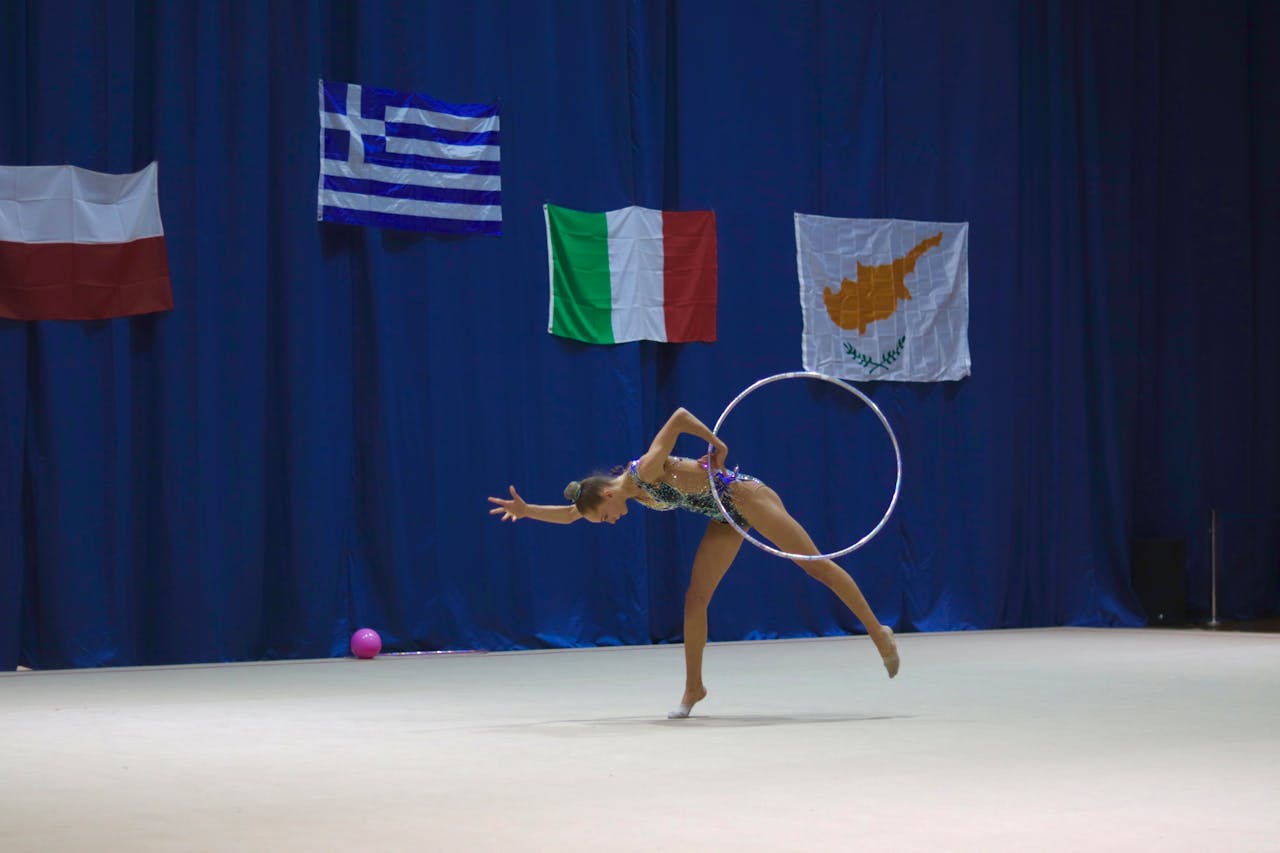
[[365, 643]]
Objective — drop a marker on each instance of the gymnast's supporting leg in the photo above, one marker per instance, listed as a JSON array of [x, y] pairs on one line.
[[719, 546], [764, 509]]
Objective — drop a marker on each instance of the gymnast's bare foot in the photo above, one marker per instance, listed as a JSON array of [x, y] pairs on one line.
[[692, 696]]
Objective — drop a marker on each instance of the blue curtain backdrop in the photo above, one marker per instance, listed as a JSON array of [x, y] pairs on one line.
[[305, 443]]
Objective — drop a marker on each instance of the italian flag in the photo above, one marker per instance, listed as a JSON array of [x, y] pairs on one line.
[[632, 275], [80, 245]]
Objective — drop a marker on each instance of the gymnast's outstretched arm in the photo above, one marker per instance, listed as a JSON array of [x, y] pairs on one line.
[[650, 465], [515, 508]]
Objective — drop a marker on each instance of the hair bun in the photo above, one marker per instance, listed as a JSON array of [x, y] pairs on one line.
[[572, 491]]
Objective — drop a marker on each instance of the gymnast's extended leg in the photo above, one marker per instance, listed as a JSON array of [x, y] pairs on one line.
[[764, 509], [719, 546]]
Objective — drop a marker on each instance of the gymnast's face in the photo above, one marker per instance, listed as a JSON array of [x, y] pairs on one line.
[[609, 510]]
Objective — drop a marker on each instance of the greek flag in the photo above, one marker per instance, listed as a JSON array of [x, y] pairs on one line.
[[408, 161]]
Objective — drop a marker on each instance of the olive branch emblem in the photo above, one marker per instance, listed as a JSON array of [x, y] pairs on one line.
[[882, 362]]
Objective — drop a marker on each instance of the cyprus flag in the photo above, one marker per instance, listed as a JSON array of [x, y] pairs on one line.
[[884, 298]]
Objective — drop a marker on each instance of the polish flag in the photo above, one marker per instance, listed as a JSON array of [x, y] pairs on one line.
[[80, 245]]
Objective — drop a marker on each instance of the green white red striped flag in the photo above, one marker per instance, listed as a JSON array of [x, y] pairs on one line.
[[632, 274]]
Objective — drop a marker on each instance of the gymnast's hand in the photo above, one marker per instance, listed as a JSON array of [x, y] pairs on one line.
[[719, 452], [510, 509]]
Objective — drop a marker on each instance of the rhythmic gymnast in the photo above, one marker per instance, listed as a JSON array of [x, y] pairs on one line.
[[660, 481]]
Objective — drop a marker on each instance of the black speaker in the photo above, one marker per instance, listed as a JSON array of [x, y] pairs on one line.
[[1160, 579]]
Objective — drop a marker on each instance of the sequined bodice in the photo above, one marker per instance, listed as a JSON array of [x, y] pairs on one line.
[[695, 496]]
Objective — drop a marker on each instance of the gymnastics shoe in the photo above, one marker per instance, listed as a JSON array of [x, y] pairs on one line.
[[891, 661], [682, 710]]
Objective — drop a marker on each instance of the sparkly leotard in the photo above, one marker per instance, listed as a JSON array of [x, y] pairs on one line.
[[665, 496]]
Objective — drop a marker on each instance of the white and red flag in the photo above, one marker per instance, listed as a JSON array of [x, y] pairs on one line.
[[80, 245]]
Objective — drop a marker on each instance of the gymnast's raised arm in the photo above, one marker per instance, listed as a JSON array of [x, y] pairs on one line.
[[515, 509], [650, 466]]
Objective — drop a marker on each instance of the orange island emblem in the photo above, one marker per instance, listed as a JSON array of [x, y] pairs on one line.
[[877, 291]]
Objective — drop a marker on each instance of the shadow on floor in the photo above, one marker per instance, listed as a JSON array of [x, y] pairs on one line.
[[699, 721]]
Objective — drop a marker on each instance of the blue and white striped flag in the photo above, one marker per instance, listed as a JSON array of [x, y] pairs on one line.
[[408, 161]]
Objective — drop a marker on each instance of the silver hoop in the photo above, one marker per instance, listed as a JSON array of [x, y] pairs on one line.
[[897, 454]]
